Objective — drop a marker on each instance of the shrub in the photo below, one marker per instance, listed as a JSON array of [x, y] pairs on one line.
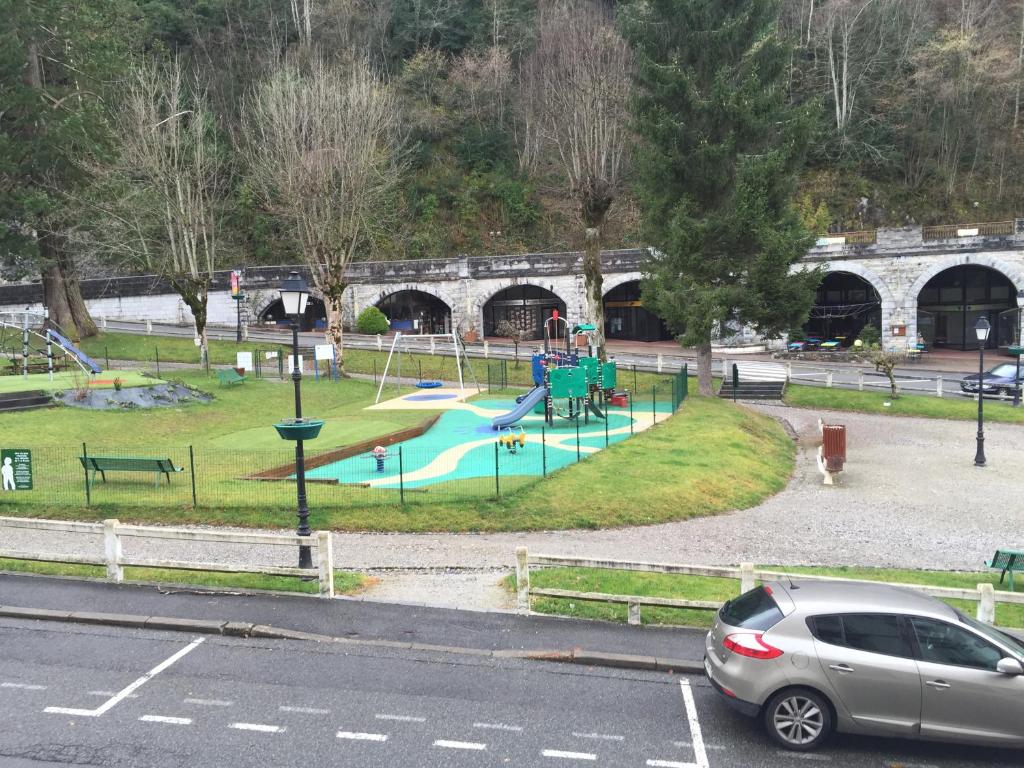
[[870, 336], [371, 320], [118, 384]]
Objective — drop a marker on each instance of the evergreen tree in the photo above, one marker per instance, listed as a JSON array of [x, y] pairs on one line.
[[721, 147]]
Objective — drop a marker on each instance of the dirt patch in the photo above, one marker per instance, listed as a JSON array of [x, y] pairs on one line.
[[127, 398]]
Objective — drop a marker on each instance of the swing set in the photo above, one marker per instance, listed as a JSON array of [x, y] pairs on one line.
[[400, 343]]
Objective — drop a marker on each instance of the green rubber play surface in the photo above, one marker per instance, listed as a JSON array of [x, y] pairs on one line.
[[71, 380], [461, 446]]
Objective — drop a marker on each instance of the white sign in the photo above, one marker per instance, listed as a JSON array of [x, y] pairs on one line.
[[243, 360], [198, 341], [270, 355], [291, 364], [324, 351]]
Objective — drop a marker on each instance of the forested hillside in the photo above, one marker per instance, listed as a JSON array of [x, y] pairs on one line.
[[919, 118]]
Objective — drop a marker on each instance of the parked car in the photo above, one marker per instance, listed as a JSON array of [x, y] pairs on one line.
[[812, 657], [1000, 380]]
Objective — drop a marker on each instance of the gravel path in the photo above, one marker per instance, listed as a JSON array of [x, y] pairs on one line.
[[910, 497]]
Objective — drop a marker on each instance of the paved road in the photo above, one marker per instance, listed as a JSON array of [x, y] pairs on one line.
[[72, 695]]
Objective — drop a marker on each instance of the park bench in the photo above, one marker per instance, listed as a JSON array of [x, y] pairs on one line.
[[104, 464], [1008, 560], [229, 376]]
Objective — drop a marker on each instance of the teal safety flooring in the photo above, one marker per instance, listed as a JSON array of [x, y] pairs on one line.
[[461, 446]]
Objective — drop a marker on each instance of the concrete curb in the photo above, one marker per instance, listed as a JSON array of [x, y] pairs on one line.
[[264, 631]]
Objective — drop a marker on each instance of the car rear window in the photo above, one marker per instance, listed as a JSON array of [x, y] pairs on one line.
[[752, 610]]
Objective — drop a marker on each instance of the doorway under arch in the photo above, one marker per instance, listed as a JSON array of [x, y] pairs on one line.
[[413, 311], [314, 319], [626, 318], [527, 307], [844, 304], [950, 304]]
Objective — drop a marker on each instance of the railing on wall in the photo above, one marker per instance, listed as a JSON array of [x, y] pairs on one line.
[[984, 229]]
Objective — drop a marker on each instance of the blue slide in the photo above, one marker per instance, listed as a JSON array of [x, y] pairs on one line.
[[524, 407], [87, 361]]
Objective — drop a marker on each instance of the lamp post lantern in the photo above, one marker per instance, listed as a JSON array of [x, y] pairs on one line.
[[981, 330], [1020, 343], [294, 295]]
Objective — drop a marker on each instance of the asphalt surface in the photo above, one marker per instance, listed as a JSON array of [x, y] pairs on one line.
[[75, 695], [355, 619]]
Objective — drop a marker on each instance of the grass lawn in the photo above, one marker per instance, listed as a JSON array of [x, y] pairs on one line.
[[711, 457], [73, 379], [705, 588], [950, 407], [345, 582]]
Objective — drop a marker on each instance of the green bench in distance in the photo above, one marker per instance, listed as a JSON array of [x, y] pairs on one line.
[[1008, 560], [104, 464], [229, 376]]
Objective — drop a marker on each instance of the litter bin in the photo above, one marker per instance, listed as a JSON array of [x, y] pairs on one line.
[[833, 438]]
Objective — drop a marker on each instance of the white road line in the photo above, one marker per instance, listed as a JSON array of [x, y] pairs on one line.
[[669, 764], [604, 736], [305, 710], [568, 755], [499, 727], [819, 758], [689, 745], [209, 702], [700, 755], [257, 727], [168, 720], [401, 718], [23, 686], [124, 694], [108, 694], [356, 736], [460, 744]]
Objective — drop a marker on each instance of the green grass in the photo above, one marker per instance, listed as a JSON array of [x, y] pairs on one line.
[[345, 582], [67, 380], [949, 407], [705, 588]]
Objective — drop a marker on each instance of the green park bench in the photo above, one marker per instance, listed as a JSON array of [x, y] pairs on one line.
[[1008, 560], [229, 376], [104, 464]]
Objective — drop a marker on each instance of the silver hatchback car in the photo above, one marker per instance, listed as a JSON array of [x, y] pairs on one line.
[[811, 657]]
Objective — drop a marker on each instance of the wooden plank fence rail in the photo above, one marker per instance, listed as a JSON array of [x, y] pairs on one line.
[[986, 597], [113, 558]]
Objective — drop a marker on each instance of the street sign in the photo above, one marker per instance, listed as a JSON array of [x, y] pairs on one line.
[[1016, 351], [16, 469]]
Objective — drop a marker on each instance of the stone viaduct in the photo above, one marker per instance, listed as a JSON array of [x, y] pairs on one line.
[[896, 263]]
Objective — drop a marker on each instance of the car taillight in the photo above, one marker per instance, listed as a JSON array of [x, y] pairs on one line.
[[751, 645]]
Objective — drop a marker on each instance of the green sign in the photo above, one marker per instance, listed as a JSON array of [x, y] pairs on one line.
[[1016, 351], [16, 469]]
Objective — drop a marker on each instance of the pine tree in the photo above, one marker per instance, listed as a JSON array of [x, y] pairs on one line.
[[720, 149]]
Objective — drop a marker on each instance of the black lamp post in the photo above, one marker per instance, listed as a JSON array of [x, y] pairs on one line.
[[294, 295], [981, 330], [1020, 343]]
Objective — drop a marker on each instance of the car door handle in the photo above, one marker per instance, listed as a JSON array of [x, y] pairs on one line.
[[940, 684], [841, 668]]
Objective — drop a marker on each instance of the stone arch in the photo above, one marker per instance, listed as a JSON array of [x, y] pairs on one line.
[[866, 274], [481, 301], [429, 289], [611, 282], [433, 316]]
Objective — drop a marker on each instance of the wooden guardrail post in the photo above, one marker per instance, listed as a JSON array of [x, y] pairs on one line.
[[661, 362], [789, 373], [487, 350], [380, 345], [986, 604], [522, 581], [746, 577], [149, 327], [112, 550], [938, 386], [634, 612], [860, 381], [828, 379], [325, 563]]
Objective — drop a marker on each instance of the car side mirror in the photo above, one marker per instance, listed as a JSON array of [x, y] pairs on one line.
[[1009, 666]]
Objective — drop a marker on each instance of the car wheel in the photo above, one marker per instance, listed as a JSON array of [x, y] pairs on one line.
[[798, 719]]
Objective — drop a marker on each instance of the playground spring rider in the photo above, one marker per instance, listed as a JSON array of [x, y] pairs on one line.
[[379, 454], [513, 440]]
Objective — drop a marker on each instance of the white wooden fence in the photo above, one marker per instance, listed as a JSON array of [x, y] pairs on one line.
[[113, 533], [985, 596]]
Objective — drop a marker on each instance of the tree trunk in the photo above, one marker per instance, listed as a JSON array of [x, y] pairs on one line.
[[79, 311], [335, 332], [704, 369], [194, 291], [55, 292], [593, 281]]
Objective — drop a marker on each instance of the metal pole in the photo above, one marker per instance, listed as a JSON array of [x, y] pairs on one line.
[[606, 427], [106, 355], [88, 491], [1016, 378], [238, 320], [305, 557], [401, 477], [654, 404], [979, 456], [497, 482], [577, 436], [24, 348], [192, 474], [631, 411], [543, 452], [157, 350]]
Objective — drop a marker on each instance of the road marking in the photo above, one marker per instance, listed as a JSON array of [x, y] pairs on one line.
[[108, 694], [819, 758], [605, 736], [209, 702], [669, 764], [499, 727], [569, 755], [124, 694], [401, 718], [689, 745], [305, 710], [23, 686], [459, 744], [257, 727], [700, 755], [362, 736], [168, 720]]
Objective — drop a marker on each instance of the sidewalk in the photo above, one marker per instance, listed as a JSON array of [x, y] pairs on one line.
[[351, 619]]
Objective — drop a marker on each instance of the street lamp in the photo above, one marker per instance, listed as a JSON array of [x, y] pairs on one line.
[[1020, 343], [981, 330], [294, 295]]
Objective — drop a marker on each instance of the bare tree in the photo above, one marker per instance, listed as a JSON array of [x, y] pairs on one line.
[[324, 150], [886, 362], [513, 333], [575, 97], [167, 178]]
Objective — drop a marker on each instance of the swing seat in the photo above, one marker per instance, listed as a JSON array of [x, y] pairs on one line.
[[429, 384]]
